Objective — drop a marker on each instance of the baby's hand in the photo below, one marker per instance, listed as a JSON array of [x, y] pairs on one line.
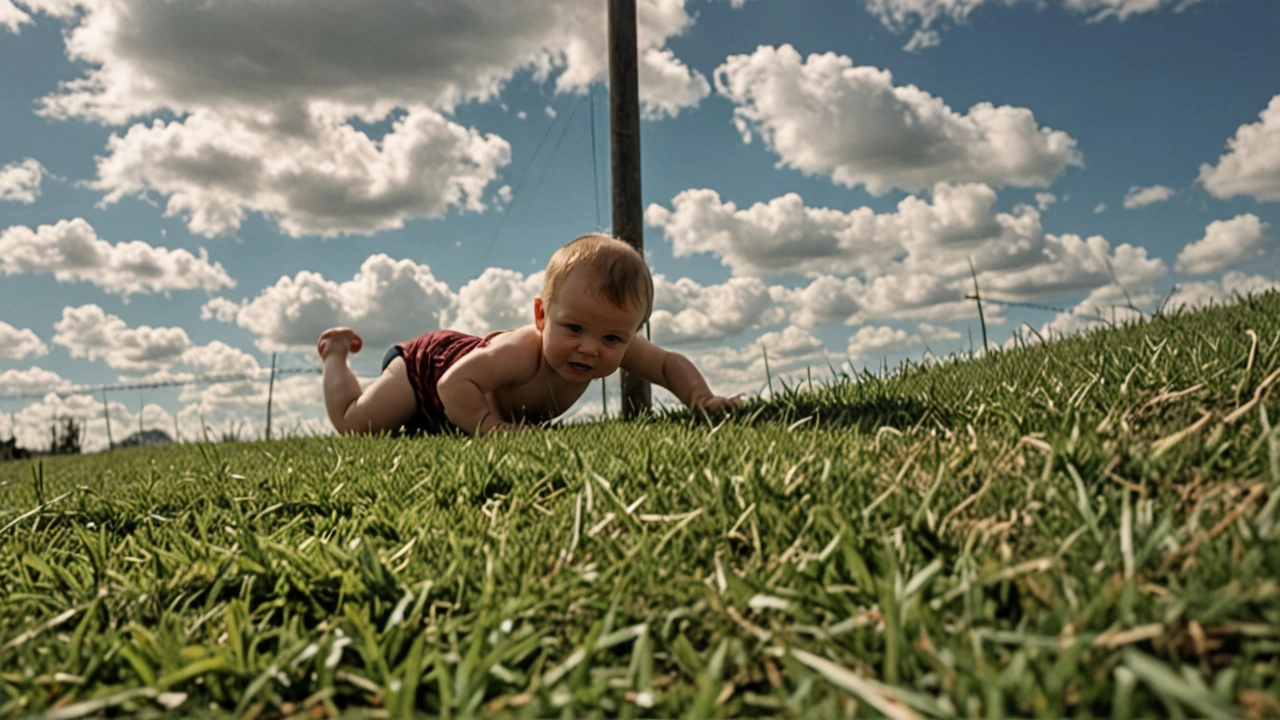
[[715, 403], [338, 339]]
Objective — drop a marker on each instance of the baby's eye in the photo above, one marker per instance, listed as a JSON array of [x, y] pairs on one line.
[[612, 339], [573, 328]]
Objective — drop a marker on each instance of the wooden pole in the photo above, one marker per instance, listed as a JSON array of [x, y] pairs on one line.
[[106, 413], [271, 386], [624, 133]]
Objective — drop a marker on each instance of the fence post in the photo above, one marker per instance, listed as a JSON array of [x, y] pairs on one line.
[[106, 413], [271, 386]]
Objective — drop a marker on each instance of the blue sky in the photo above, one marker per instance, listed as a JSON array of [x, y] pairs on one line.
[[187, 187]]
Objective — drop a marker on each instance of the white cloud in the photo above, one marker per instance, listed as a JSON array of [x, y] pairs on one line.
[[89, 332], [871, 339], [220, 309], [12, 18], [499, 299], [71, 251], [33, 423], [387, 301], [261, 130], [1044, 200], [18, 344], [1073, 264], [1142, 196], [687, 312], [320, 176], [672, 85], [730, 371], [1251, 165], [922, 15], [825, 116], [1123, 9], [1100, 208], [772, 238], [1189, 296], [913, 262], [32, 380], [20, 181], [143, 56], [1225, 243]]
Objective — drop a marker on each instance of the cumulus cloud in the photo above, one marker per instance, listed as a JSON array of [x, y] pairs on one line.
[[1142, 196], [144, 56], [1225, 243], [499, 299], [19, 343], [685, 311], [1044, 200], [1251, 165], [31, 381], [387, 301], [321, 177], [871, 339], [822, 115], [1189, 296], [71, 251], [924, 16], [910, 264], [1073, 264], [154, 354], [11, 17], [742, 370], [671, 85], [90, 332], [258, 130], [20, 181], [916, 259]]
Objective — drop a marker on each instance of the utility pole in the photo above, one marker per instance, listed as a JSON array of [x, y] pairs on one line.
[[106, 413], [271, 386], [624, 134]]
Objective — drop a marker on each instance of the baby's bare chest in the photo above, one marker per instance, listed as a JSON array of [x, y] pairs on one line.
[[536, 400]]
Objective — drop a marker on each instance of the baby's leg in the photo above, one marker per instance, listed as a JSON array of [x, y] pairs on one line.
[[386, 405]]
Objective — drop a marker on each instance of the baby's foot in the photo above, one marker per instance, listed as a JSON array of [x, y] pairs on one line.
[[339, 339]]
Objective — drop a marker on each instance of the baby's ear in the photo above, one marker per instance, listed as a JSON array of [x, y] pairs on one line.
[[539, 313]]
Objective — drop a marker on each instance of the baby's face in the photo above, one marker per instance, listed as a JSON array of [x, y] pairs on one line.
[[584, 336]]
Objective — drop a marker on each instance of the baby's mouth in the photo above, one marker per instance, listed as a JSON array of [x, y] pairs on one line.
[[580, 367]]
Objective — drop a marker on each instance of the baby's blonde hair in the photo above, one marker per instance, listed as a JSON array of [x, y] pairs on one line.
[[617, 270]]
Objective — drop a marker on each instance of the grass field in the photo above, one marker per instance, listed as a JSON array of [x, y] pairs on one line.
[[1083, 528]]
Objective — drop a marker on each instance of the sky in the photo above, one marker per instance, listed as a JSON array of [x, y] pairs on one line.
[[189, 189]]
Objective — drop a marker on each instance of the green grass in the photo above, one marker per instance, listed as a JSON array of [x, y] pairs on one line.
[[1084, 528]]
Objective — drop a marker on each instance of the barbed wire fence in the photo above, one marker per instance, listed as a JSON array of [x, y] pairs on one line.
[[103, 390]]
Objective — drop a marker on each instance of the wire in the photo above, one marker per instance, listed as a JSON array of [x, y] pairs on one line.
[[515, 192], [201, 380], [564, 131]]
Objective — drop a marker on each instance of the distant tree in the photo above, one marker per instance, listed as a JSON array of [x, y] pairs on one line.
[[9, 450], [66, 440]]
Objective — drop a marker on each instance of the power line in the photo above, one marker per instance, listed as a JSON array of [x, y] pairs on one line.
[[515, 191], [201, 380]]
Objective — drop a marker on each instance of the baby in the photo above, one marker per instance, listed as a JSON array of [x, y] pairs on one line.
[[596, 297]]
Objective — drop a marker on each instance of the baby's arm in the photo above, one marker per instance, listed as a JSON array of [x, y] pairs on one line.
[[674, 372], [508, 361]]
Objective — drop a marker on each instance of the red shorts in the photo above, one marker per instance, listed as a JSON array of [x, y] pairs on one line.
[[426, 358]]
